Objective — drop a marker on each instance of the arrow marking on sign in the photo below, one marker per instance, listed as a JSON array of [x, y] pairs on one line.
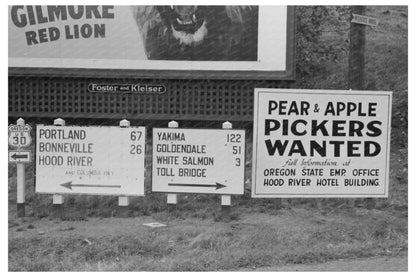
[[69, 185], [216, 185], [16, 156]]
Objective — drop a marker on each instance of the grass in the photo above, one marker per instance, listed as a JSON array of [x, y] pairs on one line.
[[257, 240]]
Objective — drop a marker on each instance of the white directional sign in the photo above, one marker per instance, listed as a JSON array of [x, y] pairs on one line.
[[198, 161], [364, 20], [321, 143], [19, 156], [19, 135], [90, 160]]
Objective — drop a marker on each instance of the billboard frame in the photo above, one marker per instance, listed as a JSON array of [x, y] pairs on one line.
[[287, 74]]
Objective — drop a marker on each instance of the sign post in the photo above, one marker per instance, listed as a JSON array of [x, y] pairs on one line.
[[58, 199], [172, 199], [124, 201], [356, 58], [226, 199], [321, 143], [19, 137], [21, 180]]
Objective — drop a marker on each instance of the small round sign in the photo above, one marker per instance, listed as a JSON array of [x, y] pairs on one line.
[[19, 135]]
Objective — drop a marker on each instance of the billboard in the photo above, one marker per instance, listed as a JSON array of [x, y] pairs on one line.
[[321, 143], [223, 41]]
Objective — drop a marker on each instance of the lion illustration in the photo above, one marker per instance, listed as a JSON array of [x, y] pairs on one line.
[[204, 33]]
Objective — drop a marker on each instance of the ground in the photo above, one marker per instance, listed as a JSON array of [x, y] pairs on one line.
[[286, 239]]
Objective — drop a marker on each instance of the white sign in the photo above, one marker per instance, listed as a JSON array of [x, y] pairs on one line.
[[198, 161], [365, 20], [321, 143], [19, 156], [19, 135], [90, 160]]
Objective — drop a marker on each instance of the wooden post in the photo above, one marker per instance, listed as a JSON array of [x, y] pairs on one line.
[[123, 201], [226, 199], [21, 182], [356, 63], [356, 59], [58, 199], [172, 198]]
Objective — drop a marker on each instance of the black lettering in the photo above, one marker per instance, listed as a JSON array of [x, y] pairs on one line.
[[99, 30], [337, 146], [297, 147], [75, 14], [295, 131], [351, 148], [330, 109], [42, 36], [19, 21], [367, 146], [268, 128], [315, 146], [58, 12], [374, 131], [86, 31], [31, 38], [271, 149], [31, 15], [372, 109], [89, 10], [39, 15], [106, 13], [355, 128], [319, 127], [272, 106], [337, 128], [304, 107], [53, 33]]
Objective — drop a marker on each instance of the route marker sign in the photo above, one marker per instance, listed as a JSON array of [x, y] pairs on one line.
[[321, 143], [90, 160], [198, 160], [19, 135], [19, 156]]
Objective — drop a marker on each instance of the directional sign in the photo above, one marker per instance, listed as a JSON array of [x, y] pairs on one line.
[[198, 160], [19, 135], [321, 143], [19, 156], [365, 20], [90, 160]]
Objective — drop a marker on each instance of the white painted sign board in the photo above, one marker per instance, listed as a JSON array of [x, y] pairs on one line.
[[16, 156], [90, 160], [321, 143], [198, 160], [364, 20]]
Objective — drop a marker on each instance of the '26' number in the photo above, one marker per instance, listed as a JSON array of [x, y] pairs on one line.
[[135, 149]]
